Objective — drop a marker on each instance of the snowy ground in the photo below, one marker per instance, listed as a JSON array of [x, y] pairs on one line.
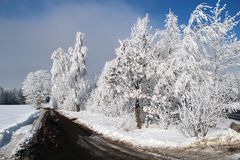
[[10, 115], [16, 126], [153, 137]]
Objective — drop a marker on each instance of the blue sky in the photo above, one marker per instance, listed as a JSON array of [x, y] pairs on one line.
[[31, 29], [156, 8]]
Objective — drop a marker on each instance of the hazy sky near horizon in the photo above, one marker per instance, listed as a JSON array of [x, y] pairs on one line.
[[31, 30]]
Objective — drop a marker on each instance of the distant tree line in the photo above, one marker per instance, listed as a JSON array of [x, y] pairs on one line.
[[11, 96]]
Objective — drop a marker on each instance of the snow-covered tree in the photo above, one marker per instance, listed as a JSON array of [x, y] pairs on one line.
[[167, 60], [207, 35], [229, 89], [68, 71], [60, 68], [191, 86], [37, 87], [170, 38], [213, 31], [123, 86], [90, 88], [133, 56], [75, 76], [198, 110], [108, 98]]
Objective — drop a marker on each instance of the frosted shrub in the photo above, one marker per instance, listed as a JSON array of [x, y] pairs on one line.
[[199, 111]]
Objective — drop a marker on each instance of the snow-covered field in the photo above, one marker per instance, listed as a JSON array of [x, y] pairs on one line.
[[10, 115], [113, 128], [15, 127]]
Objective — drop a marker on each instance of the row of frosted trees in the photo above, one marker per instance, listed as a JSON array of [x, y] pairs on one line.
[[65, 86], [68, 71], [182, 77]]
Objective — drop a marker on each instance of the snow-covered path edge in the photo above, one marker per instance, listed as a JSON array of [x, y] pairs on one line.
[[24, 132], [7, 133], [217, 138]]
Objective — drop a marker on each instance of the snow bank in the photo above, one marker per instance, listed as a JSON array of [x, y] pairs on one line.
[[14, 117], [18, 124], [151, 137], [18, 138], [10, 115]]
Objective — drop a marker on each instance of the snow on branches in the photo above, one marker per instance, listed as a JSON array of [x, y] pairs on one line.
[[76, 82], [169, 63], [68, 71], [123, 84], [60, 68], [217, 51], [176, 76], [108, 97], [37, 87]]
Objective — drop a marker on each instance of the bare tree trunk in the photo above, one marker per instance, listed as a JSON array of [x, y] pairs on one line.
[[138, 114], [77, 107]]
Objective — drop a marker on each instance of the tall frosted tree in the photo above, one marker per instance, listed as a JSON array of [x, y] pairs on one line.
[[207, 35], [133, 56], [37, 87], [77, 71], [68, 71], [123, 85], [59, 71], [213, 27], [167, 57]]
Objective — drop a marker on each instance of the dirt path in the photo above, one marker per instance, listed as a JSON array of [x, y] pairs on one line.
[[61, 139]]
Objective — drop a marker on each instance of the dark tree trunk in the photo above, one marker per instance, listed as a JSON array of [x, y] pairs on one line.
[[138, 114], [78, 107]]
